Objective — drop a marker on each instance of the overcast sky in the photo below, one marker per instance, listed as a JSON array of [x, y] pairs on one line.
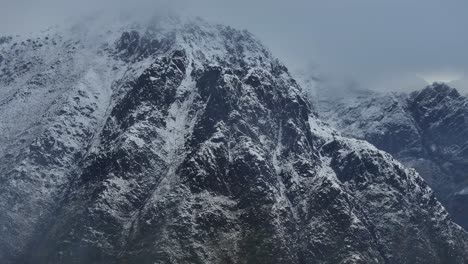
[[380, 44]]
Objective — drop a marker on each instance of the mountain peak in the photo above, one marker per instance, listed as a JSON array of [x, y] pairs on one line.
[[439, 89], [191, 143], [426, 129]]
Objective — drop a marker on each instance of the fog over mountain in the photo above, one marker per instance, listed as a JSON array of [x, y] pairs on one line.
[[163, 132], [382, 45]]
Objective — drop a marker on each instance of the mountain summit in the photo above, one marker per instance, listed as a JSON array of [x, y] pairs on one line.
[[187, 142]]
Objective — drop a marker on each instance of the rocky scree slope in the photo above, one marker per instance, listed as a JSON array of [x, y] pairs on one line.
[[427, 130], [190, 143]]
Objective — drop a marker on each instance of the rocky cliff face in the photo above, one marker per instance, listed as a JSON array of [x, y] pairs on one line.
[[190, 143], [426, 129]]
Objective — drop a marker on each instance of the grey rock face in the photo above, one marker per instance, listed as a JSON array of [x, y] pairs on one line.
[[426, 129], [192, 144]]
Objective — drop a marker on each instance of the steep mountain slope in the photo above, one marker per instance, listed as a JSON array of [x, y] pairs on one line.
[[190, 143], [426, 129]]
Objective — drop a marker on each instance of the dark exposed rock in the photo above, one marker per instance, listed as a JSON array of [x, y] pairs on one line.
[[426, 129], [5, 39], [204, 150]]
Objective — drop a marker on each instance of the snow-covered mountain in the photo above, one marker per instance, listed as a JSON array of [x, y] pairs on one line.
[[427, 130], [187, 142]]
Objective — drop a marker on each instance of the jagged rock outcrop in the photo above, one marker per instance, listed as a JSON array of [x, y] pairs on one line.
[[426, 129], [190, 143]]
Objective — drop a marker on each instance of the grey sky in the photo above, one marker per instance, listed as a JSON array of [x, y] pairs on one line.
[[381, 44]]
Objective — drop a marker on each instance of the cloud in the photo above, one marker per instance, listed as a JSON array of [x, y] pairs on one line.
[[373, 42], [23, 16]]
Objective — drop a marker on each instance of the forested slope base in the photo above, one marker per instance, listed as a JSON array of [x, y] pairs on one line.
[[206, 151]]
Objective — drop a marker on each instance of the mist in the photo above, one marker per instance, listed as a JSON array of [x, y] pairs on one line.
[[383, 45]]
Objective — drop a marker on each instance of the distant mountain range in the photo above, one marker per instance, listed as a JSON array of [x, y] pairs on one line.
[[426, 129]]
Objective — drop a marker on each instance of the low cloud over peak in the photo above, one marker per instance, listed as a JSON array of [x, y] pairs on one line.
[[381, 45]]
